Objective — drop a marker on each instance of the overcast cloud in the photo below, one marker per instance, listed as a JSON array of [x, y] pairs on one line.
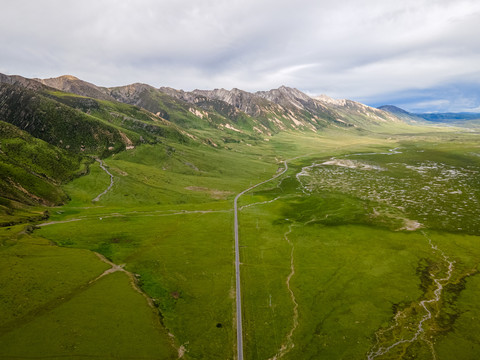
[[423, 55]]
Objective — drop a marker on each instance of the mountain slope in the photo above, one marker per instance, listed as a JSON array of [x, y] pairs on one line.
[[360, 115], [285, 109], [393, 109], [273, 116], [56, 123], [71, 84], [137, 124], [288, 108], [79, 123], [402, 114], [157, 102], [239, 109], [30, 84], [30, 173], [141, 95]]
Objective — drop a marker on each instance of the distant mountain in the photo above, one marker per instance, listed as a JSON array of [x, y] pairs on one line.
[[393, 109], [448, 117], [360, 115], [71, 84], [461, 117], [402, 114]]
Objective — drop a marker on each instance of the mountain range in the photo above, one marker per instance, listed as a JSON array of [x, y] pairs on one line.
[[263, 112], [450, 117]]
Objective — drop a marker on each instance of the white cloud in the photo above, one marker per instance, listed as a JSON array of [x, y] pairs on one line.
[[344, 48], [433, 104]]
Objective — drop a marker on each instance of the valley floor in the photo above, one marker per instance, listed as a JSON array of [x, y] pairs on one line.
[[360, 247]]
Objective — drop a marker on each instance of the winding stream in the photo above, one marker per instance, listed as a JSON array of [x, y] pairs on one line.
[[288, 344], [437, 293], [111, 181]]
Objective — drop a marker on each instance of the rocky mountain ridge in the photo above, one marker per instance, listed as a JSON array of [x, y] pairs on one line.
[[72, 84], [262, 112]]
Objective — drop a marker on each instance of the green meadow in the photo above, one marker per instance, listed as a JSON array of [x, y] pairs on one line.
[[337, 254]]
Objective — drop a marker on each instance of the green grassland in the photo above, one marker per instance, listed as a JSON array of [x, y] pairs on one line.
[[327, 262], [355, 267], [107, 320], [52, 305]]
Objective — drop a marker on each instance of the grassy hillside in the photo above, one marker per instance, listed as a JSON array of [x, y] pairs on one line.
[[31, 174], [140, 125], [56, 123]]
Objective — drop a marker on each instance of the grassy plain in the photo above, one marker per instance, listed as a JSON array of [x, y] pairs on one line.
[[359, 241], [53, 307], [326, 265], [105, 320]]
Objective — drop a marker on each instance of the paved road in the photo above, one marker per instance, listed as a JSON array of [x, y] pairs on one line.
[[237, 264]]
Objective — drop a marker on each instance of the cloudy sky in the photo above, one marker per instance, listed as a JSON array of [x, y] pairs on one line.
[[422, 55]]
